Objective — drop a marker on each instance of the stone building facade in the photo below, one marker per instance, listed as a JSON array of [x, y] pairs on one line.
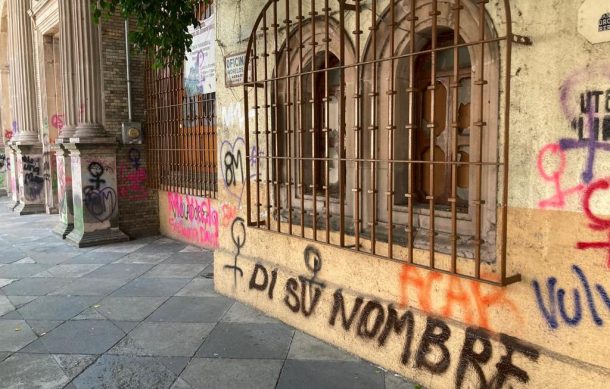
[[63, 106], [421, 183]]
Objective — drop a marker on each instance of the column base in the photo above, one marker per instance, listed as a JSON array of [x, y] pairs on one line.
[[96, 238], [29, 209], [12, 205], [3, 192], [63, 229], [51, 210]]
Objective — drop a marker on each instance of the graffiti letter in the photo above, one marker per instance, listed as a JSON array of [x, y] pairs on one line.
[[339, 305], [430, 338], [505, 365], [291, 289], [263, 285], [469, 357], [363, 324]]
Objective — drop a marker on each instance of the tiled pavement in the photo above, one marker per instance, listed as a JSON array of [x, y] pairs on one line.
[[144, 314]]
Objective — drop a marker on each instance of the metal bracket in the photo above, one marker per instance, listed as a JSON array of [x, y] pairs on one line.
[[522, 40]]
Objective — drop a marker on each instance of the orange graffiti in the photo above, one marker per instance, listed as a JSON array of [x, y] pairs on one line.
[[455, 293]]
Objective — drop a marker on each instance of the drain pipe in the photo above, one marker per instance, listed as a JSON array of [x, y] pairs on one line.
[[128, 60], [131, 132]]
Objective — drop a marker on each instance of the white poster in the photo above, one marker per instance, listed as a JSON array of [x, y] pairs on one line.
[[200, 65]]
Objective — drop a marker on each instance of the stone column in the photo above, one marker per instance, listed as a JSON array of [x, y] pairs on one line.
[[92, 149], [69, 107], [25, 141]]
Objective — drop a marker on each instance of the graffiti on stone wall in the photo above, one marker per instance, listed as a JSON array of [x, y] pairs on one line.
[[379, 323], [33, 177], [194, 219], [238, 235], [233, 166], [132, 178], [99, 198], [57, 121], [586, 300], [8, 135], [470, 300], [588, 112]]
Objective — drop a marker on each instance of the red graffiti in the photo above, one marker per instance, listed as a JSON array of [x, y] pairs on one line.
[[597, 223], [132, 183], [558, 200], [474, 300], [8, 134], [57, 121]]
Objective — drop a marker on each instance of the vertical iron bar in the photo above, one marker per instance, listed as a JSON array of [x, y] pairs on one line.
[[342, 113], [326, 130], [265, 56], [432, 127], [391, 134], [313, 131], [289, 124], [455, 85], [373, 131], [276, 130], [301, 19], [357, 129]]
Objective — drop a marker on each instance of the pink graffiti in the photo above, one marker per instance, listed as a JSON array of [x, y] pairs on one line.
[[229, 213], [194, 219], [558, 200], [132, 183], [597, 223], [57, 121], [8, 134]]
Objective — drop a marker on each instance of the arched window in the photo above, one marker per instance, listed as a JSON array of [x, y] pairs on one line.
[[378, 128]]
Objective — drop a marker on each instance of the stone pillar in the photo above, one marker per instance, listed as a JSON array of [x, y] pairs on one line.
[[69, 104], [92, 149], [26, 142]]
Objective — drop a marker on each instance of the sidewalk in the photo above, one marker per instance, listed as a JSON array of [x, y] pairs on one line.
[[144, 314]]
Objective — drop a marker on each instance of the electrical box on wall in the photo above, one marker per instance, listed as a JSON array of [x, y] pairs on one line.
[[132, 133]]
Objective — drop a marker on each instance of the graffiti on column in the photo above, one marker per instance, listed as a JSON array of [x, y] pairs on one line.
[[233, 166], [33, 178], [99, 198], [64, 192], [8, 135]]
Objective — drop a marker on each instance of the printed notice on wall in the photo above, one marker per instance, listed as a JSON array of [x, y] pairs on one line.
[[200, 65], [594, 20], [234, 69]]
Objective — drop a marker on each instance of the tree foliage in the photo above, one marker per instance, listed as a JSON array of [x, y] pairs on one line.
[[162, 26]]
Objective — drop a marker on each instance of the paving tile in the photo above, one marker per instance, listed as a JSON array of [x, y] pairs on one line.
[[23, 270], [241, 313], [125, 372], [6, 281], [11, 254], [175, 364], [24, 260], [199, 287], [71, 271], [56, 307], [19, 301], [5, 306], [164, 339], [181, 384], [35, 286], [90, 314], [93, 257], [38, 371], [128, 308], [14, 335], [4, 355], [192, 310], [90, 287], [13, 315], [82, 337], [307, 347], [230, 373], [74, 364], [119, 271], [395, 381], [330, 374], [193, 249], [247, 341], [126, 326], [145, 258], [152, 287], [43, 327], [196, 258], [175, 271]]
